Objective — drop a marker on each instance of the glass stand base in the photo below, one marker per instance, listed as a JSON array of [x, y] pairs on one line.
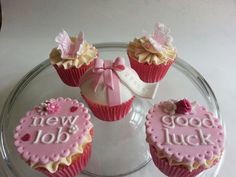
[[119, 147]]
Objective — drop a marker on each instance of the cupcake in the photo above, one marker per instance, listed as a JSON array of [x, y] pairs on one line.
[[55, 137], [72, 57], [184, 138], [152, 55], [109, 88]]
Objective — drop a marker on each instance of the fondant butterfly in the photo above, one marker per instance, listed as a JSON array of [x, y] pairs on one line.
[[69, 49], [160, 37]]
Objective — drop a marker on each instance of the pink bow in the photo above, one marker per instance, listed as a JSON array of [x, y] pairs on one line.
[[105, 73]]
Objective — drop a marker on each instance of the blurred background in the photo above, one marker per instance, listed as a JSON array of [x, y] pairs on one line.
[[203, 31]]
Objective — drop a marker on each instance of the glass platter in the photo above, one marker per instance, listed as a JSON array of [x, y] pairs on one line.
[[119, 148]]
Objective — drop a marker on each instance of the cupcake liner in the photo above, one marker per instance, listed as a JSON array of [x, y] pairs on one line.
[[109, 113], [171, 170], [79, 163], [71, 76], [150, 73]]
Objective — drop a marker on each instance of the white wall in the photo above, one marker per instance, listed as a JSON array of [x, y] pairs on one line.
[[204, 34]]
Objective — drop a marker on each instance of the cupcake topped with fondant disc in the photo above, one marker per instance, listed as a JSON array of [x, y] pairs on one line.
[[55, 137], [184, 138], [72, 57]]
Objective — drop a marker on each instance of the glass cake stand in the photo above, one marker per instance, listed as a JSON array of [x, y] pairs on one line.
[[119, 148]]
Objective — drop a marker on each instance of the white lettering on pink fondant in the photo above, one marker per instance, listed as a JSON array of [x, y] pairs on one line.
[[60, 135], [68, 120], [204, 139], [199, 138], [181, 121], [195, 122], [52, 121], [48, 137], [63, 120], [37, 121], [208, 122], [188, 140], [169, 121]]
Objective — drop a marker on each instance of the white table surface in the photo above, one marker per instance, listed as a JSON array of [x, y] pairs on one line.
[[204, 34]]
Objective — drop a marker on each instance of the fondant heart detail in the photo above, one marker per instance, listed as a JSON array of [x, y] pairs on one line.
[[26, 137], [73, 108]]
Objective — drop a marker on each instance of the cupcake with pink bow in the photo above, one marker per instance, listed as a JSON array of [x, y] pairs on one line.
[[152, 55], [72, 57], [110, 87]]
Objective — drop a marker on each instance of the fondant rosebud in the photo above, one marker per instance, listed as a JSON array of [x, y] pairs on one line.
[[183, 106], [168, 107]]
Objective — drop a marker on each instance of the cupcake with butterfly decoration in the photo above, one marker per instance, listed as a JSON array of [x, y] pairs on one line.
[[152, 55], [72, 57]]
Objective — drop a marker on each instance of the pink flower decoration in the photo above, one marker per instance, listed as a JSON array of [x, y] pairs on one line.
[[73, 129], [52, 107], [47, 107], [183, 106], [168, 107]]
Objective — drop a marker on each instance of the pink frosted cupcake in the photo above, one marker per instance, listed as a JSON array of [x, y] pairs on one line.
[[72, 57], [184, 138], [55, 137], [151, 56], [109, 88]]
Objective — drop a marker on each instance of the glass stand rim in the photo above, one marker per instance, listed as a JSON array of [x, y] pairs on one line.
[[180, 64]]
